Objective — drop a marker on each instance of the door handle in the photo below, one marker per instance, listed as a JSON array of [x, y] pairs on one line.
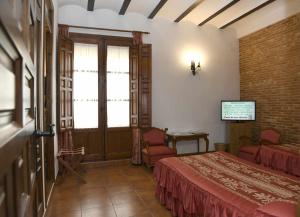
[[49, 133]]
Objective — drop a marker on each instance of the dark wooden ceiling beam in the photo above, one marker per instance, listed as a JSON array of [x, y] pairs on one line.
[[219, 11], [90, 5], [124, 7], [187, 11], [248, 13], [157, 8]]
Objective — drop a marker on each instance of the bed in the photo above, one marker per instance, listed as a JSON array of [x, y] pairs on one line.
[[219, 184], [283, 157]]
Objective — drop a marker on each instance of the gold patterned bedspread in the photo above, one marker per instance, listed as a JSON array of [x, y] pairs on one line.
[[249, 181]]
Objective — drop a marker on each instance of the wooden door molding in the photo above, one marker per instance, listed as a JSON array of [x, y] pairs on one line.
[[18, 147], [65, 84], [134, 86], [145, 86]]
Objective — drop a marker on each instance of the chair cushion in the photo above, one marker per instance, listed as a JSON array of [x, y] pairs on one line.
[[154, 136], [250, 149], [159, 150]]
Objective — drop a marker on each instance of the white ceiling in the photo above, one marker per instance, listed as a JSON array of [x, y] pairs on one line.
[[174, 8]]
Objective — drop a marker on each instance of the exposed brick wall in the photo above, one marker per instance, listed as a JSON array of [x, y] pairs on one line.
[[270, 74]]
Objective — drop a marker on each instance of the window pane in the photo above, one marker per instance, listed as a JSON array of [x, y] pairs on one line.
[[85, 89], [117, 86], [118, 113]]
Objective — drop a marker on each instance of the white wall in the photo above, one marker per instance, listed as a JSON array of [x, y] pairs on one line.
[[267, 16], [180, 101]]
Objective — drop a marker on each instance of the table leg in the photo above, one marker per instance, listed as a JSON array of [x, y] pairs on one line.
[[174, 144], [198, 145], [207, 143]]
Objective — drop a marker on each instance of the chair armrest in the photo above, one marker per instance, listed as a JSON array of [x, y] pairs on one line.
[[245, 140]]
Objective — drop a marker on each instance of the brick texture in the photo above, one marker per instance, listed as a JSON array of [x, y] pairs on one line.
[[270, 74]]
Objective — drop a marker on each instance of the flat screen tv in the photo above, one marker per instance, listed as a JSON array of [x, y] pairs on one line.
[[234, 110]]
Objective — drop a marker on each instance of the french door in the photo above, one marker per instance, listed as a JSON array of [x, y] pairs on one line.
[[101, 96], [109, 92]]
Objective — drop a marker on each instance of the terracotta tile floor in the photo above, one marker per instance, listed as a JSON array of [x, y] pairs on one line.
[[120, 190]]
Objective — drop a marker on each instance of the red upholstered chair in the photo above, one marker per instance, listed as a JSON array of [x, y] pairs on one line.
[[248, 149], [154, 146]]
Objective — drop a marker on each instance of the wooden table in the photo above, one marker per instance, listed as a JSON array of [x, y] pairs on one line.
[[175, 137]]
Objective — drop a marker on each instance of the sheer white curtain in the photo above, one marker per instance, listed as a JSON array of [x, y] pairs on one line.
[[117, 86], [85, 85]]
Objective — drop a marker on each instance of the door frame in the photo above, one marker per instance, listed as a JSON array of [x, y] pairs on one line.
[[47, 82]]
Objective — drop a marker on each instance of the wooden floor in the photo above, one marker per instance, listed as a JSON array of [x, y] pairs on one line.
[[120, 190]]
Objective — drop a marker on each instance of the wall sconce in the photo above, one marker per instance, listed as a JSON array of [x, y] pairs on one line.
[[195, 68]]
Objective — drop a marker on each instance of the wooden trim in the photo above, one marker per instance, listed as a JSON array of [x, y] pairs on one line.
[[80, 130], [105, 29], [219, 11], [145, 86], [84, 38], [188, 10], [157, 8], [90, 5], [124, 7], [246, 14], [112, 129], [99, 39]]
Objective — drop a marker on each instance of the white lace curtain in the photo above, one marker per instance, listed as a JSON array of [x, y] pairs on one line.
[[117, 86], [85, 85]]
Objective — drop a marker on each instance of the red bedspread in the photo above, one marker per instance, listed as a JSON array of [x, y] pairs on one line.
[[285, 157], [219, 184]]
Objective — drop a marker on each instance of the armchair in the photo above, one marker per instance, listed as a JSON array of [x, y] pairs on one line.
[[249, 149], [154, 146]]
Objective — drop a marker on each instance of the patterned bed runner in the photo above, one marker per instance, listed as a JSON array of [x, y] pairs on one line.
[[248, 181]]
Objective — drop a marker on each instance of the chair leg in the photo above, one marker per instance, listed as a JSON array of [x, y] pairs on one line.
[[69, 168]]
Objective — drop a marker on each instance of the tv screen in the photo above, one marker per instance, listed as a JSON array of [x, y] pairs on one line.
[[237, 110]]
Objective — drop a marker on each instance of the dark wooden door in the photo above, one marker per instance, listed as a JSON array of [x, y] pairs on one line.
[[20, 151], [47, 97]]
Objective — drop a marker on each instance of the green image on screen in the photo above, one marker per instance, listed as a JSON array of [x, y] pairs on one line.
[[240, 110]]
